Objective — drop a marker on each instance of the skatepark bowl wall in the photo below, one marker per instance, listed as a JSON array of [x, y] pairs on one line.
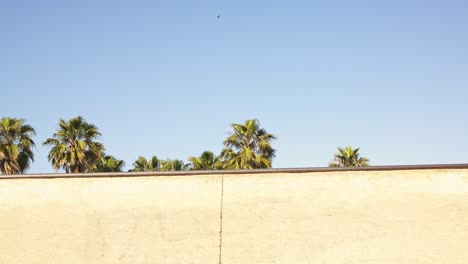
[[387, 214]]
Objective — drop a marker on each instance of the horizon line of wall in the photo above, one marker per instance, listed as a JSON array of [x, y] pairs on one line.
[[241, 171]]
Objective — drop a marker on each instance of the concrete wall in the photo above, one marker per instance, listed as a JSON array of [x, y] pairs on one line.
[[396, 216]]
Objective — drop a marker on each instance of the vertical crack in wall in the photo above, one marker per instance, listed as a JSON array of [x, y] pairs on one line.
[[221, 221]]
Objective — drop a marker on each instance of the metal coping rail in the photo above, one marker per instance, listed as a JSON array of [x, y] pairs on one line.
[[227, 172]]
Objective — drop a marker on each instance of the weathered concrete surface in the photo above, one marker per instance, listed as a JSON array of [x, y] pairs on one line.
[[347, 217], [411, 216], [110, 220]]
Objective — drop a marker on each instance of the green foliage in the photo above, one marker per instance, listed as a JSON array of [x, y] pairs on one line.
[[348, 157], [108, 163], [248, 147], [206, 161], [142, 164], [155, 164], [15, 145], [74, 147], [173, 165]]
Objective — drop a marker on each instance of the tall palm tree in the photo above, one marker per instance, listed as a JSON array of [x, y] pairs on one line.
[[142, 164], [348, 157], [109, 163], [206, 161], [248, 147], [15, 145], [74, 147]]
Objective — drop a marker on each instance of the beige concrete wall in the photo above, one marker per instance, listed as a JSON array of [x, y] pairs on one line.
[[110, 220], [418, 216]]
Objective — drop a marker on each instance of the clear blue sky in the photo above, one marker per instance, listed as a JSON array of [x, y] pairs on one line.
[[167, 78]]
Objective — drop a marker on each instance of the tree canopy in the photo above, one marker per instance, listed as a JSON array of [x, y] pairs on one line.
[[206, 161], [142, 164], [74, 147], [348, 157], [108, 163], [16, 145], [248, 147]]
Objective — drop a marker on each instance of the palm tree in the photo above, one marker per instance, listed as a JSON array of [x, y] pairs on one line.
[[206, 161], [173, 165], [15, 145], [348, 157], [248, 147], [109, 163], [74, 147], [142, 164]]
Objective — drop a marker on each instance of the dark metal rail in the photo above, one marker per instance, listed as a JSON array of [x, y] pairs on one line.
[[227, 172]]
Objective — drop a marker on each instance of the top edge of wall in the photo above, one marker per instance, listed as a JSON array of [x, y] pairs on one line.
[[228, 172]]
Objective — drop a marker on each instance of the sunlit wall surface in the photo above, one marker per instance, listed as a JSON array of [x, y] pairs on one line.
[[373, 216]]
